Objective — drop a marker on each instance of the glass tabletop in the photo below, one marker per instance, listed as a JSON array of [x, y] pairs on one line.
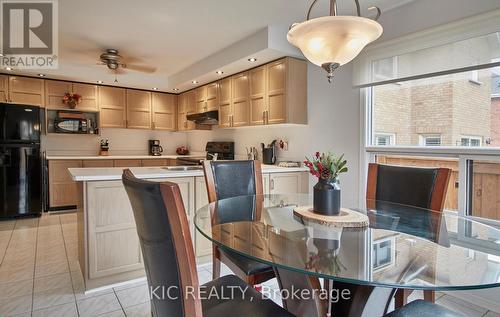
[[403, 246]]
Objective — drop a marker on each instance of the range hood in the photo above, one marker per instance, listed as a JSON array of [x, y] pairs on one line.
[[207, 118]]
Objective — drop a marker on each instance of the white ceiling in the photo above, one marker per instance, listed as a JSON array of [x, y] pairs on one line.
[[170, 35]]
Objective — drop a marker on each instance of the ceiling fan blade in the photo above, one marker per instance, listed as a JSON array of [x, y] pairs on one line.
[[141, 68]]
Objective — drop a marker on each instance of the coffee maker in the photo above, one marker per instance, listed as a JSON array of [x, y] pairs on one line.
[[155, 148]]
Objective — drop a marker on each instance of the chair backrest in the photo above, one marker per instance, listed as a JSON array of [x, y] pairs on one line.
[[227, 179], [419, 187], [166, 245]]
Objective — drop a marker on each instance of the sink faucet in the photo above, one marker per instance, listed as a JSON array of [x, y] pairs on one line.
[[214, 156]]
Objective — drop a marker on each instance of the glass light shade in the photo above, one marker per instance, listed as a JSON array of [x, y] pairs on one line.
[[333, 39]]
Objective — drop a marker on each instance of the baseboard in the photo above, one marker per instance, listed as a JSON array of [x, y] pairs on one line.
[[475, 299]]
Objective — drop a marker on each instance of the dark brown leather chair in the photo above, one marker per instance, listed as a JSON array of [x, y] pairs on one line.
[[226, 179], [169, 259], [419, 187]]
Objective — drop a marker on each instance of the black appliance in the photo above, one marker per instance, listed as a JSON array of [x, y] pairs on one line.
[[155, 148], [215, 150], [269, 153], [71, 125], [20, 161]]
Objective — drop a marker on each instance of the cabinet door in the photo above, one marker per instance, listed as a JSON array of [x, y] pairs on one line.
[[258, 95], [265, 184], [112, 107], [54, 93], [240, 100], [225, 110], [181, 111], [127, 163], [203, 246], [4, 88], [164, 114], [97, 163], [63, 191], [285, 183], [89, 95], [26, 90], [138, 109], [276, 83], [201, 99], [190, 109], [212, 97], [154, 162]]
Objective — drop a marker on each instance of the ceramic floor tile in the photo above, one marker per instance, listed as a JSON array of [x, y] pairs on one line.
[[459, 306], [138, 282], [492, 314], [64, 310], [133, 296], [116, 313], [51, 269], [53, 297], [15, 305], [142, 310], [7, 276], [204, 276], [51, 282], [98, 305], [16, 289]]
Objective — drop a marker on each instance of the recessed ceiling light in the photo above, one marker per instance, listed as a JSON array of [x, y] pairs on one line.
[[8, 68], [194, 82], [41, 75], [253, 59], [175, 89], [219, 72], [155, 88], [99, 81]]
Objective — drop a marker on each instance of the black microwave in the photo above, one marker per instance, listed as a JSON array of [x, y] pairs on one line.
[[71, 125]]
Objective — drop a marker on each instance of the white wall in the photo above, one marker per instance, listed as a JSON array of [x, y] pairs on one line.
[[121, 141], [333, 115]]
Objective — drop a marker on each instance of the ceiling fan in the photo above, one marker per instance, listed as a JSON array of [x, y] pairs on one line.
[[117, 63]]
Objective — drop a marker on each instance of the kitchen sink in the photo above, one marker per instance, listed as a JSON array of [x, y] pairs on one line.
[[183, 168]]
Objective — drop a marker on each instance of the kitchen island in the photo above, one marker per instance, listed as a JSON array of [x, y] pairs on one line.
[[108, 247]]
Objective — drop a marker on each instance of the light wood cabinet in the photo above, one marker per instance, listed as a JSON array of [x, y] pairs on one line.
[[63, 191], [212, 97], [206, 98], [225, 107], [278, 92], [187, 105], [203, 246], [127, 163], [26, 90], [112, 105], [4, 88], [138, 109], [97, 163], [56, 89], [240, 100], [164, 111], [155, 162]]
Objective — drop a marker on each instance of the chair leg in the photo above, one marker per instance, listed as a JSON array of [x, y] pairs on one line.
[[401, 297], [430, 296]]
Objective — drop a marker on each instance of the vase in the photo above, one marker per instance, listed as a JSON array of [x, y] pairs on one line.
[[72, 104], [326, 197]]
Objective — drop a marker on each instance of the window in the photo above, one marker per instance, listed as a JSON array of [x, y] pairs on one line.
[[384, 139], [470, 141], [385, 69], [430, 140]]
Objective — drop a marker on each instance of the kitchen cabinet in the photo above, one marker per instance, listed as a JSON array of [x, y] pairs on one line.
[[26, 90], [206, 98], [155, 162], [164, 111], [112, 105], [56, 89], [225, 107], [288, 183], [234, 101], [63, 191], [278, 92], [203, 246], [127, 163], [187, 103], [4, 88], [138, 109], [97, 163]]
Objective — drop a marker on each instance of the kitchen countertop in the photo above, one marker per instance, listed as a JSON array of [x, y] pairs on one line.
[[115, 173], [118, 157]]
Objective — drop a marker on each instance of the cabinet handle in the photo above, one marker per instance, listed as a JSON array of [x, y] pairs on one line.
[[232, 120], [271, 185], [267, 116], [153, 125], [264, 117]]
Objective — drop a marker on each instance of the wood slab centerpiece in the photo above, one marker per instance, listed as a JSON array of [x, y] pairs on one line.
[[346, 218]]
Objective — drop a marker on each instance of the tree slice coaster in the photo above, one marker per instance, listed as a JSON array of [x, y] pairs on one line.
[[347, 218]]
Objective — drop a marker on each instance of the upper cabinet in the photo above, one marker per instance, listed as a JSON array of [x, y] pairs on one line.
[[26, 90], [112, 105], [186, 105], [55, 91], [138, 109], [278, 92], [225, 106], [4, 88], [164, 111], [240, 100], [206, 98]]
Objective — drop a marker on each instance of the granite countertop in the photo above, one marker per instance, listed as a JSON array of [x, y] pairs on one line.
[[115, 173]]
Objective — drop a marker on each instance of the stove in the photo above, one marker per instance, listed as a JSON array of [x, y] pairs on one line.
[[221, 150]]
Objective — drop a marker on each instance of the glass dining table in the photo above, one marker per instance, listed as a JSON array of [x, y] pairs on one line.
[[403, 247]]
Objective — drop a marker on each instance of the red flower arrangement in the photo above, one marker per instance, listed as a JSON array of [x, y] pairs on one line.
[[326, 166], [71, 99]]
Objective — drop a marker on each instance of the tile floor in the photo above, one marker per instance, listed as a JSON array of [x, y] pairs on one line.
[[40, 276]]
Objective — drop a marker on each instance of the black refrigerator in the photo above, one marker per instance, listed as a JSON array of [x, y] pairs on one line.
[[20, 161]]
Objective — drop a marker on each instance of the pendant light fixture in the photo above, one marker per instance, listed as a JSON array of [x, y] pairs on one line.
[[332, 41]]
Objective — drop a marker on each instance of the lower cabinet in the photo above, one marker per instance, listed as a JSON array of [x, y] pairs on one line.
[[203, 246], [63, 191]]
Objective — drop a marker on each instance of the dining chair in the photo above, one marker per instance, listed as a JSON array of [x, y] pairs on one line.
[[226, 179], [169, 260], [412, 186]]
